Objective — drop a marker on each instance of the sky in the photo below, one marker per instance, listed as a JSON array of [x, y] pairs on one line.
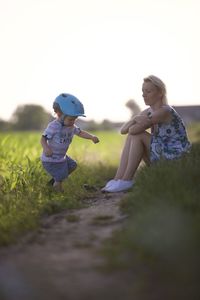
[[100, 51]]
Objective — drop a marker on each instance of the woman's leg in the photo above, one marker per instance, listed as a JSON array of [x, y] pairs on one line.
[[136, 148], [139, 149], [124, 159]]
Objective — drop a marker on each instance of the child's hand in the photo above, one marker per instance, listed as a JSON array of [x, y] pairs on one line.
[[48, 151], [95, 139]]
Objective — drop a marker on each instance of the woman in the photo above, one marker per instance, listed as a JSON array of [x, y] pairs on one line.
[[167, 140]]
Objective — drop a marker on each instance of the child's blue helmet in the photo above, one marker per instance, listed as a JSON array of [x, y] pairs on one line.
[[69, 105]]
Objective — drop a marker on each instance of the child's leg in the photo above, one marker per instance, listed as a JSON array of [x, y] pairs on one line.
[[138, 150], [72, 169], [51, 182], [58, 186], [58, 171], [72, 165]]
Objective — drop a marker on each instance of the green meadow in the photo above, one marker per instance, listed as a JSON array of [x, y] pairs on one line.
[[24, 195]]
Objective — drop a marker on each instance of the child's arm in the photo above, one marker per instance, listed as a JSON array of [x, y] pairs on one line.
[[47, 150], [87, 135]]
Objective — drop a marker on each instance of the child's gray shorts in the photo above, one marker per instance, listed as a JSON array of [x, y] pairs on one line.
[[60, 170]]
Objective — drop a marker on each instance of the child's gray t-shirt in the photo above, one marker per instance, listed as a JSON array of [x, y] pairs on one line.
[[59, 138]]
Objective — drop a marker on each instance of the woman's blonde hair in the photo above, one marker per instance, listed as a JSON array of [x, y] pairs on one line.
[[159, 84]]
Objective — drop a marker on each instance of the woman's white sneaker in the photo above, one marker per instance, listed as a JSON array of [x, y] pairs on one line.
[[109, 184], [120, 186]]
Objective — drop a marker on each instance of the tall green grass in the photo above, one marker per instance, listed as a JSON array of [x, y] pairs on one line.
[[193, 130], [24, 196], [159, 244]]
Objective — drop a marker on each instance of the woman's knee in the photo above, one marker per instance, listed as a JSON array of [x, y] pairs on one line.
[[138, 136], [143, 138]]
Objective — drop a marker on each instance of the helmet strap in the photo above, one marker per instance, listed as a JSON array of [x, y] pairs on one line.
[[62, 119]]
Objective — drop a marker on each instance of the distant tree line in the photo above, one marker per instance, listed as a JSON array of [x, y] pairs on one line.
[[34, 117], [27, 117]]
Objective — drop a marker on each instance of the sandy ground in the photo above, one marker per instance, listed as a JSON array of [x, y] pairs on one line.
[[62, 260]]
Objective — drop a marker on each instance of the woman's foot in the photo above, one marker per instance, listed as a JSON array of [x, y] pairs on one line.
[[109, 184], [120, 186]]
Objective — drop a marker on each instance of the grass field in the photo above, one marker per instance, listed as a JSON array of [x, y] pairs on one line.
[[25, 198], [158, 245]]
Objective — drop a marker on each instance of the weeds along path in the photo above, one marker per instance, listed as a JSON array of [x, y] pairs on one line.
[[62, 261]]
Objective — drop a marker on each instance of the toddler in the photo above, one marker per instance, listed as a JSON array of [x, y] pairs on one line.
[[58, 136]]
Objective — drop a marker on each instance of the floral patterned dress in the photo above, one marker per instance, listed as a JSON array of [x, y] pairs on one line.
[[169, 140]]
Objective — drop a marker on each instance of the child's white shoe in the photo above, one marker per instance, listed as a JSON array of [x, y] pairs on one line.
[[120, 186], [108, 184]]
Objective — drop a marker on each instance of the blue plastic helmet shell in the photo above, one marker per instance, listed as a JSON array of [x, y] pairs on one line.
[[70, 105]]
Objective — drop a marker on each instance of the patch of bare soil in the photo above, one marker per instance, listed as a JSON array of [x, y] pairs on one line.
[[62, 261]]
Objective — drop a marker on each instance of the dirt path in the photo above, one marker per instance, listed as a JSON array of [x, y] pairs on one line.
[[62, 261]]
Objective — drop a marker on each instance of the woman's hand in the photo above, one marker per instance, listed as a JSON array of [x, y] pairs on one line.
[[141, 119], [127, 125], [142, 122]]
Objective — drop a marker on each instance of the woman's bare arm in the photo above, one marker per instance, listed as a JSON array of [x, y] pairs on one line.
[[143, 122], [132, 122]]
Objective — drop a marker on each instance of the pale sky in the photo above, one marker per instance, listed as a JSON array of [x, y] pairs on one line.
[[100, 51]]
